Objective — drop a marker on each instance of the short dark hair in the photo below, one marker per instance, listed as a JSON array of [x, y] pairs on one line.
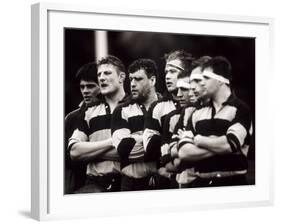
[[185, 58], [112, 60], [87, 72], [200, 62], [220, 66], [148, 65]]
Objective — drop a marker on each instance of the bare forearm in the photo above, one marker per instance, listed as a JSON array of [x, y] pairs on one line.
[[193, 153], [83, 150], [92, 155], [218, 145]]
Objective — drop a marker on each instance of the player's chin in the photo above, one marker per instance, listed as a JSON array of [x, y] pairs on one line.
[[182, 103], [193, 100], [105, 91], [87, 101], [135, 97], [171, 89]]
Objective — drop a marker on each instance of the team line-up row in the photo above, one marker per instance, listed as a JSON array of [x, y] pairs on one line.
[[196, 134]]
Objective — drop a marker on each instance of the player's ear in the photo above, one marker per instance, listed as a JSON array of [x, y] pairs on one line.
[[122, 76], [153, 80]]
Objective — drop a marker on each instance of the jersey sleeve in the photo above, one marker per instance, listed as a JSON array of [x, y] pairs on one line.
[[239, 129], [151, 135], [80, 134], [121, 135]]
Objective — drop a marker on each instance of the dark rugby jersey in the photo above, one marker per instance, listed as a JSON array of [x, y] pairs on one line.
[[154, 124], [127, 130], [96, 126], [75, 172], [232, 120]]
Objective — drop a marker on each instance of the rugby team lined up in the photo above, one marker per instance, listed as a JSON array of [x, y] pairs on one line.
[[195, 134]]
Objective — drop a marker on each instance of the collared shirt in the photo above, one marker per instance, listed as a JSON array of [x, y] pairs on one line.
[[231, 120], [127, 131], [96, 126]]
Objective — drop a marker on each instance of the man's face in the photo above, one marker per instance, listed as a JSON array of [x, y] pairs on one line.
[[211, 84], [110, 80], [89, 91], [198, 85], [192, 97], [140, 85], [171, 75], [183, 93]]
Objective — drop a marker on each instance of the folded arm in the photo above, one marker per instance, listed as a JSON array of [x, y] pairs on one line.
[[81, 149], [192, 153], [217, 145]]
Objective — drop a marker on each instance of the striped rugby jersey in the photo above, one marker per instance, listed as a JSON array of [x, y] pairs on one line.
[[174, 121], [232, 120], [96, 126], [154, 124], [127, 131]]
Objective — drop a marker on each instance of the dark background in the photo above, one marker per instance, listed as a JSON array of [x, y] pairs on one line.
[[128, 46]]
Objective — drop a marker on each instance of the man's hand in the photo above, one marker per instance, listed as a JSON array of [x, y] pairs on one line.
[[163, 172], [184, 134]]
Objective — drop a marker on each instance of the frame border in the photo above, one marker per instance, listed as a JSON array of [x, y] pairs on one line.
[[40, 90]]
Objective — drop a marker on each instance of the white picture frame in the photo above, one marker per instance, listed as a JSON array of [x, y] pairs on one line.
[[48, 201]]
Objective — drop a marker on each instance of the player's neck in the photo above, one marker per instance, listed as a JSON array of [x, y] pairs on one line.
[[221, 96], [114, 99], [150, 99]]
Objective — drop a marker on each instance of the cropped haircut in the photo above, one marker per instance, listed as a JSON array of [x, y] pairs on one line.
[[221, 66], [112, 60], [185, 58], [87, 72], [200, 62], [148, 65]]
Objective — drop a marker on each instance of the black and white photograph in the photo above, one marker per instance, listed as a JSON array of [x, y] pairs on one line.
[[157, 111]]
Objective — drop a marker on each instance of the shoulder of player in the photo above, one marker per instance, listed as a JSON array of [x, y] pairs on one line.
[[174, 113], [160, 104], [72, 114], [196, 109], [238, 103], [125, 104]]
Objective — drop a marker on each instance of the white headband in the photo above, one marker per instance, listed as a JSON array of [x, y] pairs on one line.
[[175, 65], [215, 76], [183, 84], [196, 76]]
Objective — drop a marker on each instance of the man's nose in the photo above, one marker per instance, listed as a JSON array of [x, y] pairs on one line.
[[101, 76], [168, 76], [133, 83], [85, 89], [179, 93]]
